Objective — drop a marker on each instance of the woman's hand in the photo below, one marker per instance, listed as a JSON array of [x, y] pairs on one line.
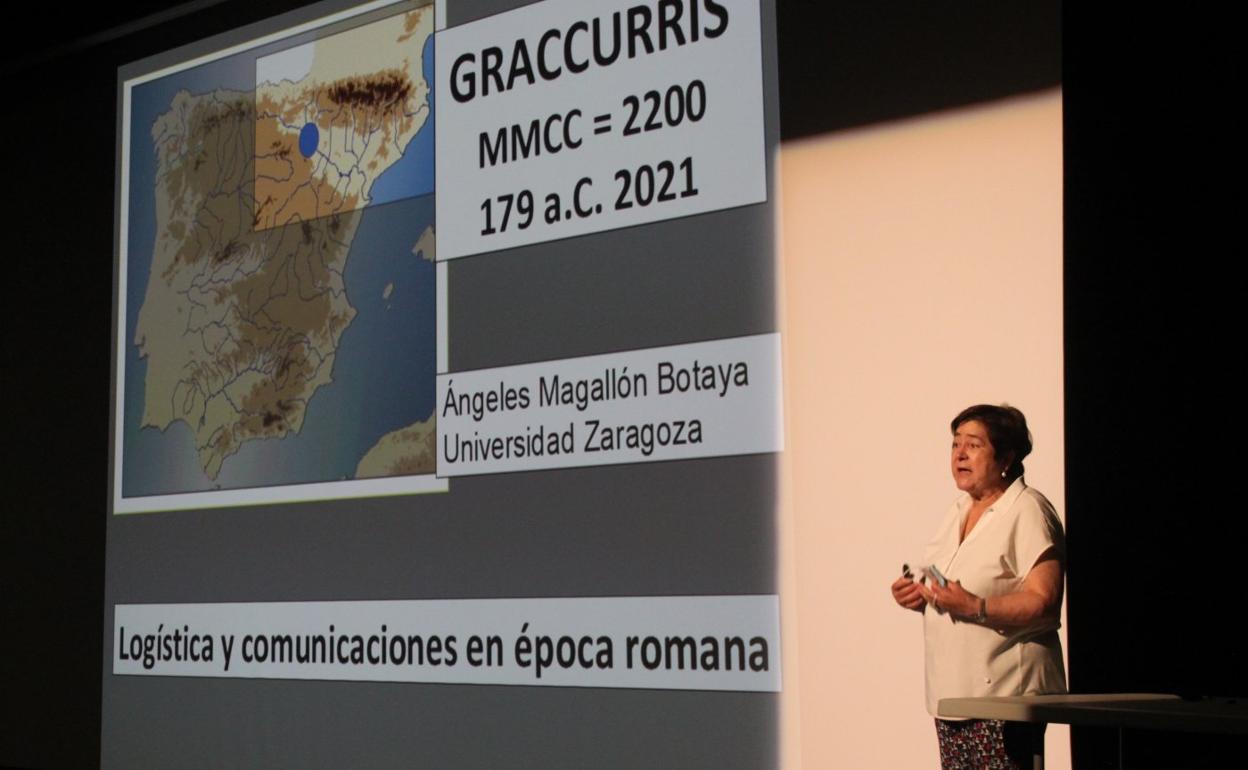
[[908, 594], [953, 598]]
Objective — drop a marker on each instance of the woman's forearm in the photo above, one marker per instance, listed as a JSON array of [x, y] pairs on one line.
[[1015, 610], [1040, 597]]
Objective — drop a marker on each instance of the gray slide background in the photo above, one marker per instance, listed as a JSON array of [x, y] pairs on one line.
[[674, 528]]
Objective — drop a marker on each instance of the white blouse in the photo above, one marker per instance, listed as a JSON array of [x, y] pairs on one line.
[[965, 659]]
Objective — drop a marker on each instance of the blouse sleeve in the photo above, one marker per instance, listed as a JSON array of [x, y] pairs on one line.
[[1037, 529]]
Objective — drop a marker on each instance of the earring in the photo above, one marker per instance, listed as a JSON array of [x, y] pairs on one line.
[[1003, 473]]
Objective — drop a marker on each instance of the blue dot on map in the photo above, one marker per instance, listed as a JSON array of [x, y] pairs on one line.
[[309, 137]]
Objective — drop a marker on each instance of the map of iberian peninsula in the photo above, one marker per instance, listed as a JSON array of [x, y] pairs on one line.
[[259, 196]]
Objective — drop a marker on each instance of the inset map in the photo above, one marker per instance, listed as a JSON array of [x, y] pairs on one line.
[[334, 115], [278, 270]]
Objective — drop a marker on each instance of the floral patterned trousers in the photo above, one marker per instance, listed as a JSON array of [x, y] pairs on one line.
[[989, 744]]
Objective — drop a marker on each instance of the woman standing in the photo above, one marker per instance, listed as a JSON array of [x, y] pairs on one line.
[[992, 628]]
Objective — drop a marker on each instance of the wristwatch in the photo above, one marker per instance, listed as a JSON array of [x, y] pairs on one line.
[[982, 616]]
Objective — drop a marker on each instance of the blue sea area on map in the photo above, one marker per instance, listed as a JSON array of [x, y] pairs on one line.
[[383, 374], [413, 174]]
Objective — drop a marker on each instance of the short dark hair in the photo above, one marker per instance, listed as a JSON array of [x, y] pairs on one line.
[[1007, 430]]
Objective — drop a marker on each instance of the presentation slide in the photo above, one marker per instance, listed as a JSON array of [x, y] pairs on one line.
[[447, 411]]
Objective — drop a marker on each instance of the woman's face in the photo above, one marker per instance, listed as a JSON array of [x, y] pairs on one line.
[[974, 462]]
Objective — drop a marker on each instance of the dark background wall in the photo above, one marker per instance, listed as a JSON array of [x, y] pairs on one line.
[[1153, 412]]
